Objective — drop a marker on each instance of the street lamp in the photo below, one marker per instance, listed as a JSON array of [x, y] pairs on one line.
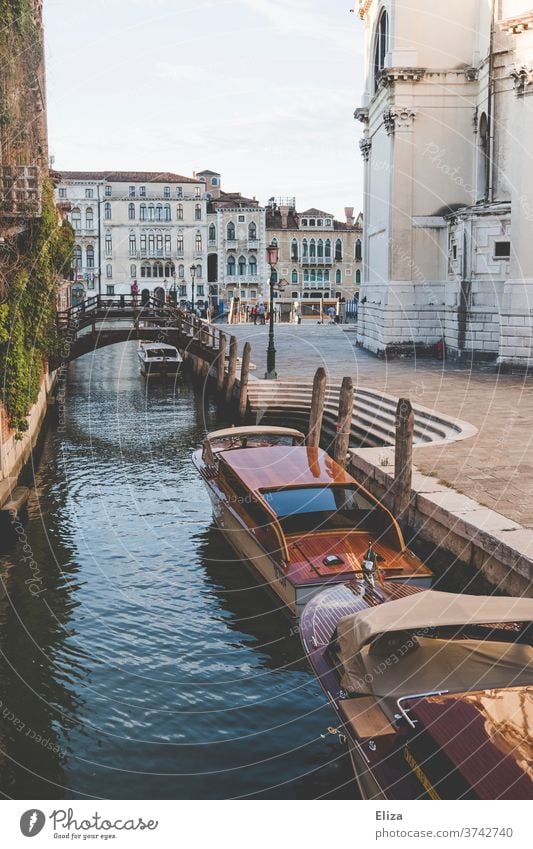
[[272, 258], [193, 275]]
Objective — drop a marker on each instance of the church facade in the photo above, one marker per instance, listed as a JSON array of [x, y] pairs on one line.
[[447, 120]]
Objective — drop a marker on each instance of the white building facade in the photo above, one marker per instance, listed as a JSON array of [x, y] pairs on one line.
[[448, 204]]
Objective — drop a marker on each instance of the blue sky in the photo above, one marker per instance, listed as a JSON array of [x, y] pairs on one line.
[[262, 91]]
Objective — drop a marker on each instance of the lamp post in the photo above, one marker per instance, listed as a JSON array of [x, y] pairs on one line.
[[193, 275], [272, 256]]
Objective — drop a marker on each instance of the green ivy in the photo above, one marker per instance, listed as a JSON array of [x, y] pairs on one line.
[[28, 335]]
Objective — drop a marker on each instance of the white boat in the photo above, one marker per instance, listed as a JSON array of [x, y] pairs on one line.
[[158, 358]]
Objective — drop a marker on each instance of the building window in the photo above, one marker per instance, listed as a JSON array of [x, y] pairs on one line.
[[146, 269], [90, 256], [170, 271], [274, 275], [304, 248], [212, 233], [338, 250], [328, 222], [242, 266], [109, 289], [231, 266], [77, 258], [143, 244], [312, 222], [151, 244], [143, 212], [214, 181], [197, 191], [181, 271], [252, 232], [183, 291], [109, 270], [294, 276], [88, 193], [108, 191], [252, 266], [198, 212], [242, 218], [142, 191], [304, 222], [62, 193], [168, 214], [502, 250], [75, 217], [380, 46], [179, 212], [327, 249], [338, 277], [319, 222], [133, 271], [198, 243], [199, 271], [179, 243], [131, 211], [89, 219], [230, 232], [312, 249], [159, 212], [179, 192], [133, 244], [158, 269], [150, 212], [166, 192], [131, 192], [320, 248], [168, 244], [358, 276], [294, 250], [200, 290], [108, 244], [90, 281], [358, 253], [107, 211], [306, 275]]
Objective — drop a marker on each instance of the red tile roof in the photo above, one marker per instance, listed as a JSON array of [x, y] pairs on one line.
[[125, 176]]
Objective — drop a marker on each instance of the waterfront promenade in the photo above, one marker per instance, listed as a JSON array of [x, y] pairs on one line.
[[494, 467]]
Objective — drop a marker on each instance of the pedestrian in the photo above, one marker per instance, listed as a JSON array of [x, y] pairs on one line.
[[254, 313], [261, 313], [331, 313], [134, 293]]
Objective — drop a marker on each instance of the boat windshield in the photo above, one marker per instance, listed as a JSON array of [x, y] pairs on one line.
[[167, 353], [303, 509]]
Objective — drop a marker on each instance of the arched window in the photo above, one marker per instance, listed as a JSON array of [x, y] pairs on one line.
[[159, 212], [109, 271], [181, 271], [108, 243], [133, 271], [179, 212], [89, 256], [312, 248], [306, 275], [143, 212], [168, 244], [107, 211], [75, 217], [151, 244], [231, 266], [77, 258], [320, 248], [327, 249], [133, 244], [179, 244], [158, 269], [381, 46], [212, 233], [252, 266], [198, 243], [312, 275], [143, 244], [304, 248], [199, 270], [146, 269], [252, 231], [168, 214], [483, 159], [294, 250], [150, 212], [169, 269], [131, 211], [242, 266], [338, 249], [358, 254], [338, 276], [159, 244], [294, 276], [358, 276], [230, 232], [89, 218]]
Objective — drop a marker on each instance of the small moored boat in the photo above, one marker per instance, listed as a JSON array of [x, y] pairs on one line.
[[296, 517], [433, 690], [158, 358]]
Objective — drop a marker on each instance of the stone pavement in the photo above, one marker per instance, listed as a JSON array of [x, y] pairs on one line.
[[494, 467]]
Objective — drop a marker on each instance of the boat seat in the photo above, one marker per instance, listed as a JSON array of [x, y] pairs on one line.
[[365, 717]]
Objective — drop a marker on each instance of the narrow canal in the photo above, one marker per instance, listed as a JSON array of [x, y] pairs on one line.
[[137, 658]]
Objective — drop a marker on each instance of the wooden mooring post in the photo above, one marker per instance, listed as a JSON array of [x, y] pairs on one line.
[[403, 460], [243, 389], [317, 407], [344, 422], [232, 368], [221, 363]]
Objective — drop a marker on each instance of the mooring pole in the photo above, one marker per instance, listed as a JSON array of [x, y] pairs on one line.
[[317, 408], [344, 422], [232, 368], [221, 363], [243, 390], [403, 459]]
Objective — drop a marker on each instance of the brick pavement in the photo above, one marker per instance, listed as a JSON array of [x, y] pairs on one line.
[[494, 467]]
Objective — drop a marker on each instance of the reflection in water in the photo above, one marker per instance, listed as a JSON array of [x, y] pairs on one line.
[[149, 664]]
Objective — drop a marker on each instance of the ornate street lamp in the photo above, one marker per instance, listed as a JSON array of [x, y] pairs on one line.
[[272, 258], [193, 275]]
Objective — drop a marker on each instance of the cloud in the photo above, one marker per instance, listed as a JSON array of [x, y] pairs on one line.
[[298, 16]]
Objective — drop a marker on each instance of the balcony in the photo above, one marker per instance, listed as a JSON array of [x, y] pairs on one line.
[[243, 280], [318, 260], [20, 194], [157, 253], [253, 244], [212, 243], [231, 244]]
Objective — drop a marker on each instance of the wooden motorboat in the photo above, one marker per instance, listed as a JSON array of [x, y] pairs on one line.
[[297, 517], [433, 690], [158, 358]]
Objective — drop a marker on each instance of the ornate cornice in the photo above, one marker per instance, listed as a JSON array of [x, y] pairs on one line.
[[523, 80], [389, 76], [365, 146], [361, 114], [514, 26], [398, 119]]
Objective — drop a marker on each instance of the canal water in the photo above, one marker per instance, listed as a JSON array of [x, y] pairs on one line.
[[137, 658]]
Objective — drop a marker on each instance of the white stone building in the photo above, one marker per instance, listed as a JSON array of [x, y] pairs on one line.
[[137, 226], [448, 206]]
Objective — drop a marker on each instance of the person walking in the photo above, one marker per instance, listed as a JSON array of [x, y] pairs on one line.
[[331, 313], [261, 313]]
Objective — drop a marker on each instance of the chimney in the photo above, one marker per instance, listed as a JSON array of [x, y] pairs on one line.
[[284, 210], [348, 211]]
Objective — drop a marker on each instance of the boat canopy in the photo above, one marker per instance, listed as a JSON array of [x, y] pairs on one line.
[[428, 609], [255, 430]]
